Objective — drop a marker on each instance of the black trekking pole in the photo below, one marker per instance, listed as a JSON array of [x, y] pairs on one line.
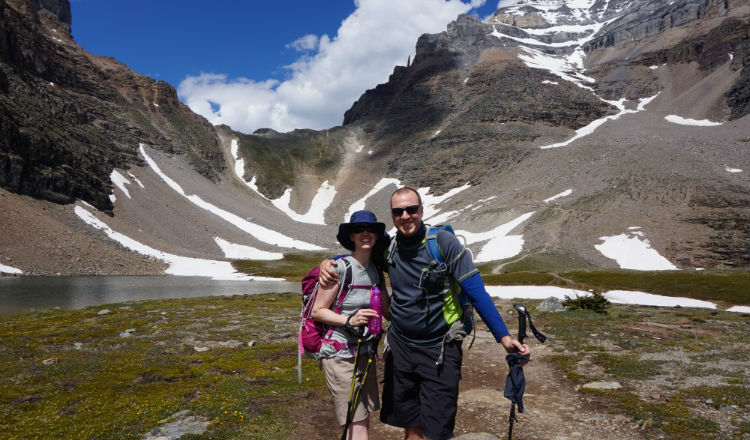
[[515, 383], [349, 412], [353, 409], [354, 395]]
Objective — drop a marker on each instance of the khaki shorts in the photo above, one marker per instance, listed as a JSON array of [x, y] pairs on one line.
[[338, 374]]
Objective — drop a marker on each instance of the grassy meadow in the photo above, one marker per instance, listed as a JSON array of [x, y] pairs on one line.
[[118, 371], [75, 375]]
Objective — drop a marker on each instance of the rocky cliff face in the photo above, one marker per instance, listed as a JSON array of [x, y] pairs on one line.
[[68, 118], [60, 9]]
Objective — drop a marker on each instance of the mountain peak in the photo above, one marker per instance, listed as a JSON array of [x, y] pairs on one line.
[[60, 9]]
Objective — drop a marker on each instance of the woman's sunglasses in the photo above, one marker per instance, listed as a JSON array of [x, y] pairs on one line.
[[358, 229], [411, 210]]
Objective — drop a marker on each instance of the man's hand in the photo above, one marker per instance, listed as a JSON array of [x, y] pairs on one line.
[[328, 276], [514, 346]]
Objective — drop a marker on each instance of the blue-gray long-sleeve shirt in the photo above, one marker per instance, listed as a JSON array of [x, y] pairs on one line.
[[422, 308]]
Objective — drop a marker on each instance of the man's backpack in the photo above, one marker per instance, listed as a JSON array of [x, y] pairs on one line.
[[312, 333], [438, 265], [465, 323]]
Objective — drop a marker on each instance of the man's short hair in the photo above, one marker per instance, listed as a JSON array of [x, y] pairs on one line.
[[405, 189]]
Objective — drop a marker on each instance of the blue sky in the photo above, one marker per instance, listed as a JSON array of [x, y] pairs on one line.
[[265, 63]]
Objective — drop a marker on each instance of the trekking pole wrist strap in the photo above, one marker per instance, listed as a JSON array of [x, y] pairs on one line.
[[348, 326]]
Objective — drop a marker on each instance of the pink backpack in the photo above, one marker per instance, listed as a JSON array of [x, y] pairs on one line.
[[312, 334]]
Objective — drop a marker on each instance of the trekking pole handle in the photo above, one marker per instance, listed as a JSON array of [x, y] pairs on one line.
[[522, 315], [521, 321]]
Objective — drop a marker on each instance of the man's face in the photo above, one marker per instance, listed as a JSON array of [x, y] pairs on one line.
[[407, 224]]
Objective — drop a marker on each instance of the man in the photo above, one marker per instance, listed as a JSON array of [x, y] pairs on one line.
[[423, 366]]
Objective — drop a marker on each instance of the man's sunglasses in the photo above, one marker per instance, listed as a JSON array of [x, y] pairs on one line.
[[411, 210], [358, 229]]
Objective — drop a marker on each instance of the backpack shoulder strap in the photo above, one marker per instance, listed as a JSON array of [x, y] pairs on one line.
[[432, 246], [439, 252], [345, 286], [391, 250]]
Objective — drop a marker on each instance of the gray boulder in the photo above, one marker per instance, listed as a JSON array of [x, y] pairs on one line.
[[551, 304]]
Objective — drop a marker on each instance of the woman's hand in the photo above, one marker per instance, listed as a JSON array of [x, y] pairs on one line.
[[362, 317]]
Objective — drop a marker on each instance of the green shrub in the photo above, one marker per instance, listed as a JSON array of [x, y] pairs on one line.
[[596, 303]]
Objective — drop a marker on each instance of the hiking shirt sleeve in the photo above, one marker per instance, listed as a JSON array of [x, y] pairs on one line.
[[466, 273], [480, 299]]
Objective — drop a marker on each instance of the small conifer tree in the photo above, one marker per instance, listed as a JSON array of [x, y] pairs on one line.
[[596, 303]]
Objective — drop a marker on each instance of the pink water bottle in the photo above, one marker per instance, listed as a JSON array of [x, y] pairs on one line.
[[376, 303]]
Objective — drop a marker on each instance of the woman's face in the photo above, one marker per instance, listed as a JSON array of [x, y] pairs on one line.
[[364, 236]]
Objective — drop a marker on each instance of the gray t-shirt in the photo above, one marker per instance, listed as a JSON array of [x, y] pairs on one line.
[[357, 298]]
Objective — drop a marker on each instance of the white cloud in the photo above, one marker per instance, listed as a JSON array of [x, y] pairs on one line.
[[302, 44], [377, 36], [505, 3]]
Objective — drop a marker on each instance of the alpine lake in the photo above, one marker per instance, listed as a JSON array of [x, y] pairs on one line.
[[25, 293]]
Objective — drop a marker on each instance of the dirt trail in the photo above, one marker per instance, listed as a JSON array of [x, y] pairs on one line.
[[554, 410]]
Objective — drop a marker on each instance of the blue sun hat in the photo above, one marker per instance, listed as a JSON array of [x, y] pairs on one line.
[[359, 218]]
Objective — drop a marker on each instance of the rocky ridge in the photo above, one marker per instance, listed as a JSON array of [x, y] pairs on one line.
[[69, 118]]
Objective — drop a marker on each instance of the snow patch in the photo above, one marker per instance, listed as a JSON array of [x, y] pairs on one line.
[[11, 270], [643, 102], [315, 215], [614, 296], [178, 265], [242, 252], [648, 299], [565, 68], [499, 244], [430, 202], [120, 181], [480, 203], [135, 179], [443, 217], [361, 203], [685, 121], [630, 252], [259, 232], [565, 193], [534, 292], [239, 168], [592, 126]]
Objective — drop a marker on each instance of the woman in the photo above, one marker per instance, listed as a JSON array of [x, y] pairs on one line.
[[366, 238]]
